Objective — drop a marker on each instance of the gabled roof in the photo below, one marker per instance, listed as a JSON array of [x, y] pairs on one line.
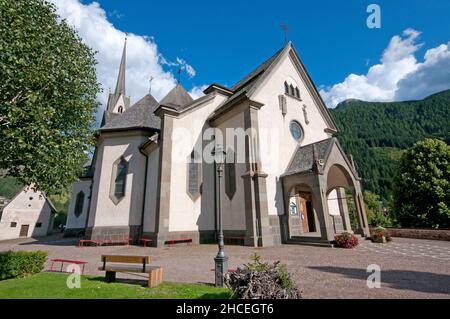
[[177, 98], [305, 156], [26, 188], [248, 85], [140, 115]]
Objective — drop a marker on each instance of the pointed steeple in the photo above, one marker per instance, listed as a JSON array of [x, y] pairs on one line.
[[120, 86], [118, 102]]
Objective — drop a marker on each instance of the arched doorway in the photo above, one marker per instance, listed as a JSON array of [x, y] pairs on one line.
[[302, 218], [344, 198]]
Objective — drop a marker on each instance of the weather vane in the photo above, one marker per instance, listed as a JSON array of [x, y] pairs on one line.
[[286, 30]]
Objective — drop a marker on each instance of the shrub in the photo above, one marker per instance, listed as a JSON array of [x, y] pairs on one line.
[[260, 280], [379, 233], [16, 264], [346, 240]]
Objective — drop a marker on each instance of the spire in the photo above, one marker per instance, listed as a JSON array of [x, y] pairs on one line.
[[120, 86]]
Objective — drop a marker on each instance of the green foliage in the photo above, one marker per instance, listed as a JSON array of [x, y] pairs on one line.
[[9, 187], [48, 91], [61, 203], [17, 264], [257, 264], [375, 212], [286, 281], [53, 286], [422, 186], [377, 133]]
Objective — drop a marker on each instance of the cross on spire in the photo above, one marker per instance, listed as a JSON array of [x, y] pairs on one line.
[[150, 85], [180, 70], [286, 32]]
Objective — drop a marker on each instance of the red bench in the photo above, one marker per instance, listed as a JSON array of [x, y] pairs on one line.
[[67, 261], [145, 241], [172, 242], [112, 241], [83, 242]]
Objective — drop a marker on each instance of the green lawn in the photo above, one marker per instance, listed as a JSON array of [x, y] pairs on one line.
[[53, 285]]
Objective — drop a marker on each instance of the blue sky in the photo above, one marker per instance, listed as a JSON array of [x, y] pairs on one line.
[[223, 41]]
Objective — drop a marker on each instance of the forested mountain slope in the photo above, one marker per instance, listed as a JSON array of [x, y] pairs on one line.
[[376, 133]]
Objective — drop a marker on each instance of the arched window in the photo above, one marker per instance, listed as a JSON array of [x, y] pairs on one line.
[[194, 178], [291, 90], [297, 92], [118, 180], [79, 202], [120, 110], [286, 88]]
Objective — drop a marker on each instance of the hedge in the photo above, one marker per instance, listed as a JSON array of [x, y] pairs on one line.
[[16, 264]]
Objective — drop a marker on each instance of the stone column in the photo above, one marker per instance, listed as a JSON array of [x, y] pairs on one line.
[[343, 209], [165, 168], [321, 203], [363, 228]]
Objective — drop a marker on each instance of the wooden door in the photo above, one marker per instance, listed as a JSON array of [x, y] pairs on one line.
[[24, 230], [303, 213]]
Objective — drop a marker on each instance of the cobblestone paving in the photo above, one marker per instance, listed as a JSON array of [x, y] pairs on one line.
[[410, 268], [408, 249]]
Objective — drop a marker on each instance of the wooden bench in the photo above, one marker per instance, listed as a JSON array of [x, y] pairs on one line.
[[131, 264], [67, 261], [172, 242]]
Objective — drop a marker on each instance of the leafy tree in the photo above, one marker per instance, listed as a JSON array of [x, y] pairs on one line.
[[376, 215], [48, 88], [422, 186], [376, 134]]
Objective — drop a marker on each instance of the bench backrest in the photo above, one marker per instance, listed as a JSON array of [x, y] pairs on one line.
[[143, 260]]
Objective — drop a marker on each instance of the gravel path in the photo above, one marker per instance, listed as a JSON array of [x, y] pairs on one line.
[[410, 268]]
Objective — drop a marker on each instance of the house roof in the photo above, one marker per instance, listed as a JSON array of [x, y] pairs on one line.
[[177, 98], [26, 188], [305, 156], [140, 115]]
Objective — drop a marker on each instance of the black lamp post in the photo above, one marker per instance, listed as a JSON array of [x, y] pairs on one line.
[[220, 260]]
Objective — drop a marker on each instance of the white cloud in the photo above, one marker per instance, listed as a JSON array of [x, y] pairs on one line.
[[398, 76], [144, 61], [197, 91]]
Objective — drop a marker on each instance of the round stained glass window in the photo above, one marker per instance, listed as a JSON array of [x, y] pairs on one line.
[[296, 130]]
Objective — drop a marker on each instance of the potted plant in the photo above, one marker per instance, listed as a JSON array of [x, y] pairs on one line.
[[346, 240], [381, 235]]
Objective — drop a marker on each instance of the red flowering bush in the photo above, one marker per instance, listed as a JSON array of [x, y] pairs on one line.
[[346, 240], [381, 235]]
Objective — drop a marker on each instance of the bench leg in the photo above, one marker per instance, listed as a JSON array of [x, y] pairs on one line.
[[155, 277], [110, 276]]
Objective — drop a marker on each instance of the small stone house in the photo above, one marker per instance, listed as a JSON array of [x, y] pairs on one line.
[[27, 214]]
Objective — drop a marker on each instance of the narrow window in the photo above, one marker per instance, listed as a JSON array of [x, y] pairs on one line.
[[120, 109], [79, 201], [120, 181], [297, 92], [38, 225], [230, 175], [286, 88], [194, 175], [291, 90]]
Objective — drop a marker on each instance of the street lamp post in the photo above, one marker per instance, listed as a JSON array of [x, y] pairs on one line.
[[221, 261]]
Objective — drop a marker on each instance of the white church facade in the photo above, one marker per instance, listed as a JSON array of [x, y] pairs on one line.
[[286, 178]]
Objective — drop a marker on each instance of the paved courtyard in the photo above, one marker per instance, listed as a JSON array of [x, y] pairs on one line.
[[410, 268]]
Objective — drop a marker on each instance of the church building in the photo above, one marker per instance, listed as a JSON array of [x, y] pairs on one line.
[[286, 179]]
